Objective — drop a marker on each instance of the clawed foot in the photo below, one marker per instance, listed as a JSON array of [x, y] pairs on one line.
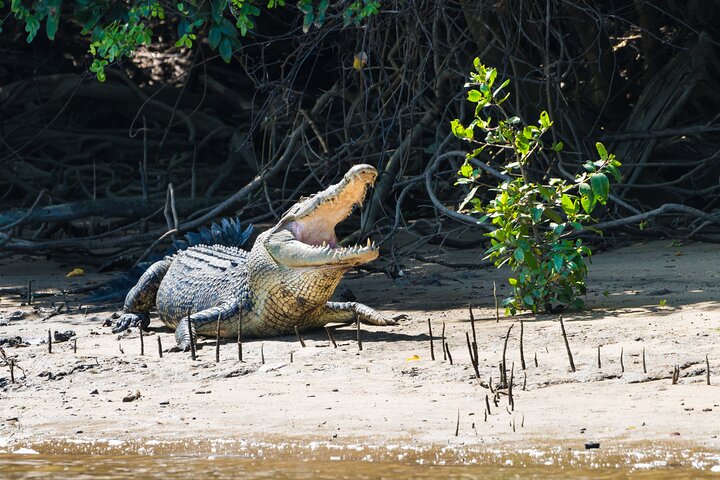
[[379, 319], [180, 348], [128, 320]]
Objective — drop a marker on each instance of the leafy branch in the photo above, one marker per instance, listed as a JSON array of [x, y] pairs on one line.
[[117, 29], [533, 220]]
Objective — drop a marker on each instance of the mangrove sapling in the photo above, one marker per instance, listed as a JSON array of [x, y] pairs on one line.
[[536, 220]]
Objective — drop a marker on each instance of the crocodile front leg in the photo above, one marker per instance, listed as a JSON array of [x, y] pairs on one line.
[[139, 300], [346, 312]]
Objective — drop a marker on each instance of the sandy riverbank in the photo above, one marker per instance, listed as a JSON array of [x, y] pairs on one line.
[[657, 296]]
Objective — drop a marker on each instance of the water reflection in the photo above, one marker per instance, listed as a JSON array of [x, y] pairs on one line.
[[277, 459], [167, 467]]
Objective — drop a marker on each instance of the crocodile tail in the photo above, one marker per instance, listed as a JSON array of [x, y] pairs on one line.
[[228, 232]]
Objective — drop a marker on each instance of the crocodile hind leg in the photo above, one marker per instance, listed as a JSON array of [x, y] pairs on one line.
[[346, 312], [141, 298], [204, 323]]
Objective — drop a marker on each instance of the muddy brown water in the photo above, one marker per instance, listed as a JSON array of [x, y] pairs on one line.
[[220, 459]]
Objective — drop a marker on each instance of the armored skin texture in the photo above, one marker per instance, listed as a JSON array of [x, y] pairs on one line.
[[284, 282]]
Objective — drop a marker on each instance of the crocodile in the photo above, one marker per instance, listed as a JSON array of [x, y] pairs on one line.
[[283, 284]]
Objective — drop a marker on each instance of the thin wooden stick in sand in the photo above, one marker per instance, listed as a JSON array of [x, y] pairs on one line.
[[359, 339], [644, 364], [457, 425], [707, 369], [331, 336], [567, 345], [676, 374], [262, 353], [74, 345], [511, 401], [497, 308], [192, 340], [487, 404], [239, 336], [159, 346], [522, 351], [536, 362], [622, 364], [474, 342], [432, 348], [447, 349], [29, 292], [503, 380], [598, 358], [11, 364], [443, 342], [473, 360], [302, 342], [142, 342], [217, 340], [49, 342]]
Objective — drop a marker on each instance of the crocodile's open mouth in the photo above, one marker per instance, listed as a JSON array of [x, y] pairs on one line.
[[312, 222]]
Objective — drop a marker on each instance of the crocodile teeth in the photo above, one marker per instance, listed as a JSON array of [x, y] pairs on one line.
[[368, 242]]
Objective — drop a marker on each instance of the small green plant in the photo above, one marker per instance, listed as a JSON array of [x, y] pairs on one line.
[[534, 220]]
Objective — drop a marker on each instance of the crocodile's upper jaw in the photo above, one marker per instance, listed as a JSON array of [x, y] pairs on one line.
[[305, 236]]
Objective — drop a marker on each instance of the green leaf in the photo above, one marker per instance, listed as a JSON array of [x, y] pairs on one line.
[[568, 206], [53, 18], [308, 21], [613, 170], [557, 147], [587, 198], [588, 203], [584, 189], [504, 84], [490, 76], [214, 37], [601, 150], [225, 50], [466, 170], [519, 255], [469, 197], [600, 186], [457, 128], [537, 214], [512, 281], [545, 120], [557, 262], [474, 96], [552, 215]]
